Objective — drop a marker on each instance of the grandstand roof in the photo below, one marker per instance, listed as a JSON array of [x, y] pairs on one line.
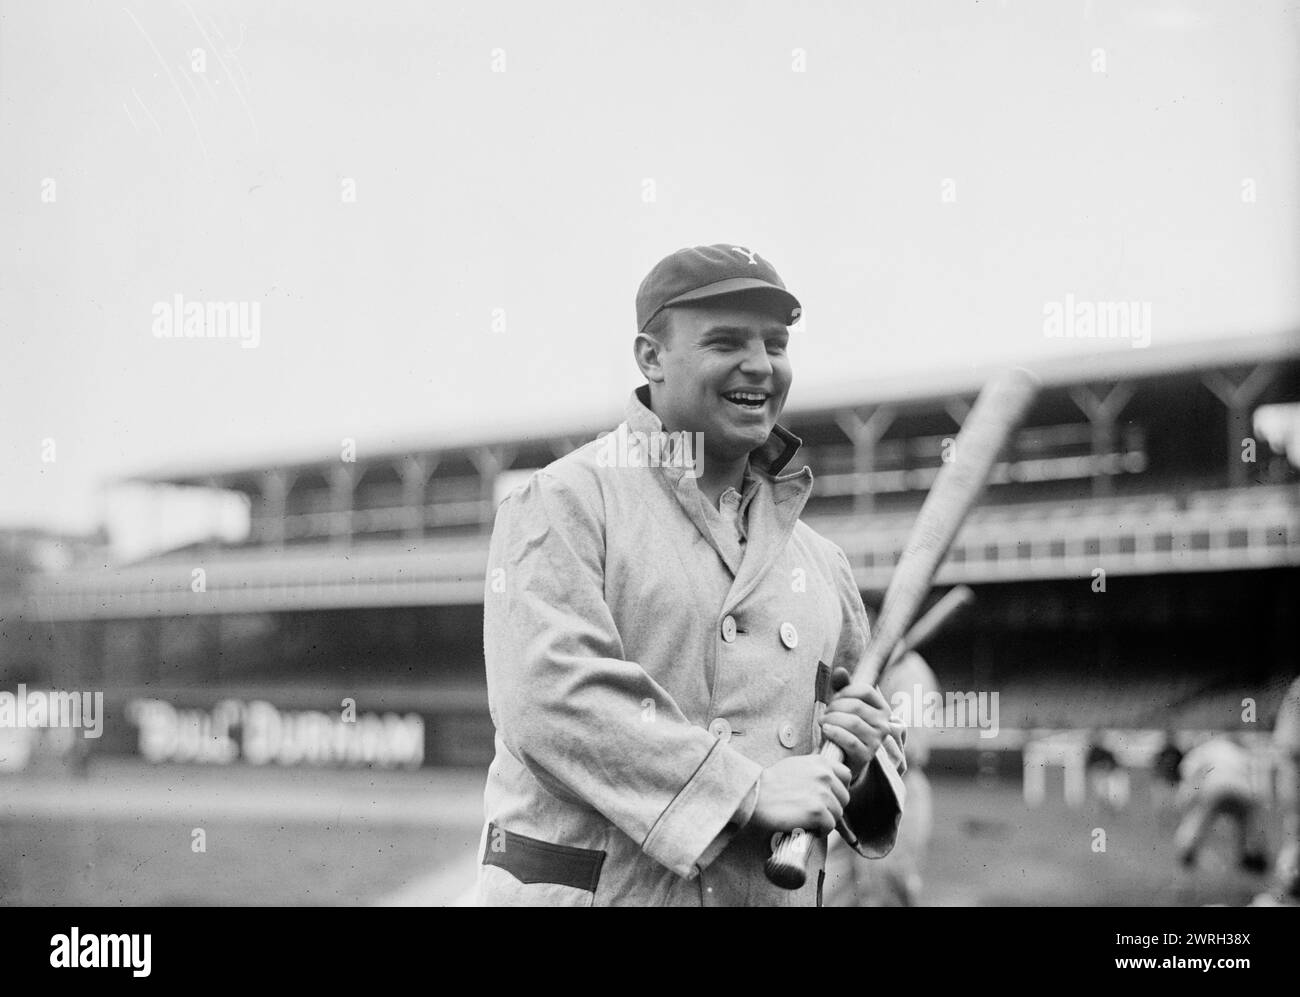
[[1117, 363]]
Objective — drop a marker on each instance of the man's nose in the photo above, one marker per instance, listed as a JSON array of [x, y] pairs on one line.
[[756, 360]]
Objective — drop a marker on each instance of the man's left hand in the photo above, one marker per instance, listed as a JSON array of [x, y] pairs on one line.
[[859, 721]]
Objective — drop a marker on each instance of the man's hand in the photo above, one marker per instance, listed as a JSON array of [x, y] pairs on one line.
[[858, 721], [805, 791]]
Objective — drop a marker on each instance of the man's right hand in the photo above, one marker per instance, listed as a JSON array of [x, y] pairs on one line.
[[806, 791]]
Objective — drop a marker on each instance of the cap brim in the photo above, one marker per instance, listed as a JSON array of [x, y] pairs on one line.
[[772, 299]]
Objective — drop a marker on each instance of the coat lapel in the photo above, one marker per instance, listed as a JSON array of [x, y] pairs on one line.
[[772, 517], [772, 513]]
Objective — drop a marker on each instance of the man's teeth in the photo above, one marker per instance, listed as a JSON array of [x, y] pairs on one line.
[[745, 398]]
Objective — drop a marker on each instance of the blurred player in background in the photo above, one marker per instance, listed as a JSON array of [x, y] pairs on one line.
[[1108, 780], [1216, 780], [1165, 768], [1285, 889], [895, 880], [1286, 743]]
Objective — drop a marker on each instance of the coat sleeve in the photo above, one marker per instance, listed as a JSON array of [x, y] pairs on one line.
[[870, 824], [591, 726]]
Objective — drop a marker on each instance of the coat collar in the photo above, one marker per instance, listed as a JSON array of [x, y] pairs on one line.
[[771, 457], [772, 514]]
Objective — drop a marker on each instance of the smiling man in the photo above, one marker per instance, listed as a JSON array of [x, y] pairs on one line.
[[663, 636]]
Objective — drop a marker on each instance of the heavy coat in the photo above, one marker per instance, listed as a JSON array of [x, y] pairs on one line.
[[639, 683]]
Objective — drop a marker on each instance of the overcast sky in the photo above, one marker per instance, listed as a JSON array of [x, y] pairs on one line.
[[925, 176]]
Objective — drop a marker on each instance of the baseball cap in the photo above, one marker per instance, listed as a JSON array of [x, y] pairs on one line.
[[701, 272]]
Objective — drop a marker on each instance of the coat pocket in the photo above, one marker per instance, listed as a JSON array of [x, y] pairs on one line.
[[539, 873]]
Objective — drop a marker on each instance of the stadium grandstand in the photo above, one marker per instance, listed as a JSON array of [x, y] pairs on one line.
[[1135, 563]]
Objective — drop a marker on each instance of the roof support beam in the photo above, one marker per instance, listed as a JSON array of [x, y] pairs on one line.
[[276, 483], [416, 470], [1239, 398], [1102, 411], [342, 478], [864, 427], [491, 461]]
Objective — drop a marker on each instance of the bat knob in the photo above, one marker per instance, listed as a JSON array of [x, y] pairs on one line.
[[785, 867]]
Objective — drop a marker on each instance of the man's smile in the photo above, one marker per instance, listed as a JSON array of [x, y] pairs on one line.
[[748, 400]]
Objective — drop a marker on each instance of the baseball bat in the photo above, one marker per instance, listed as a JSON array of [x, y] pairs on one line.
[[939, 616], [997, 411]]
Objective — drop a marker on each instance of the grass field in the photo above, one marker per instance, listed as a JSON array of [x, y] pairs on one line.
[[150, 863], [990, 849], [124, 837]]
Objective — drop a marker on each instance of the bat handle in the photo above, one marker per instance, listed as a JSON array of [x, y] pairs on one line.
[[787, 866]]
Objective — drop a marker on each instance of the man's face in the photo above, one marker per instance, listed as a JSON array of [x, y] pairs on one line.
[[725, 373]]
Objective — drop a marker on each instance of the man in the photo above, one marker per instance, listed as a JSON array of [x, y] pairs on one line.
[[662, 633], [1164, 770], [895, 880], [1286, 750], [1108, 779], [1217, 780]]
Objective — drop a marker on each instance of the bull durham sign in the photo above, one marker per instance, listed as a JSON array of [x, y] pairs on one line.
[[258, 733]]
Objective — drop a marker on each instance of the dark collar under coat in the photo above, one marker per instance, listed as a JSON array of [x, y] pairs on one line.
[[775, 453]]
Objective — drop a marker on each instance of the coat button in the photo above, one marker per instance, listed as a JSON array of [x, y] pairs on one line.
[[720, 729], [729, 629], [787, 735], [789, 636]]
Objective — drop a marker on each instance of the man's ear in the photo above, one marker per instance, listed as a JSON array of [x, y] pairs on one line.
[[648, 352]]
